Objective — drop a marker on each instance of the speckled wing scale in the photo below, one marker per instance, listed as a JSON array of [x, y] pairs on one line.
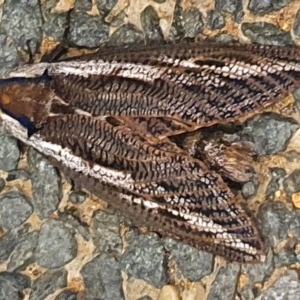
[[105, 120]]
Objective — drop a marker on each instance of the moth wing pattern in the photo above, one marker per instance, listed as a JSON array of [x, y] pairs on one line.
[[168, 191], [77, 108]]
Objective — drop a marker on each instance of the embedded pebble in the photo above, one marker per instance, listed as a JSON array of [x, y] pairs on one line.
[[266, 34], [222, 287], [276, 182], [68, 295], [150, 23], [86, 30], [234, 7], [106, 232], [8, 56], [55, 238], [145, 259], [14, 210], [102, 278], [54, 23], [77, 197], [48, 283], [192, 263], [19, 25], [268, 134], [296, 26], [12, 285], [18, 174], [255, 275], [192, 22], [249, 189], [292, 183], [276, 219], [127, 35], [23, 251], [287, 287], [215, 20], [46, 184], [2, 184], [9, 152], [286, 257], [265, 6], [10, 240]]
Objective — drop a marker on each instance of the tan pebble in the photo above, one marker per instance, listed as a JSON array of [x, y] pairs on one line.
[[168, 292], [296, 200]]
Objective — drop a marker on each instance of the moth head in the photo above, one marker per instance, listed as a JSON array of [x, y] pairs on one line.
[[25, 100]]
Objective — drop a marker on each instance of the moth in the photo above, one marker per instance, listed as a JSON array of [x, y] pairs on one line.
[[108, 121]]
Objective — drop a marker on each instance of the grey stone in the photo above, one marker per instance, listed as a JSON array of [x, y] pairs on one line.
[[77, 197], [8, 55], [275, 220], [17, 174], [276, 182], [294, 226], [150, 23], [248, 294], [292, 182], [296, 26], [296, 95], [56, 245], [215, 20], [192, 22], [71, 218], [227, 6], [14, 210], [86, 30], [2, 184], [145, 259], [54, 24], [192, 263], [266, 34], [258, 273], [249, 189], [48, 283], [225, 38], [10, 240], [12, 285], [234, 7], [266, 6], [177, 32], [126, 35], [9, 151], [22, 253], [68, 295], [102, 278], [106, 232], [18, 23], [106, 5], [268, 134], [285, 258], [46, 184], [224, 285], [287, 287]]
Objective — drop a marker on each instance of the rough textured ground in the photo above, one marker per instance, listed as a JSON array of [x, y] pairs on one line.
[[58, 243]]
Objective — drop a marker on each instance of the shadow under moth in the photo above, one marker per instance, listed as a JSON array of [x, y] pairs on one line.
[[108, 121]]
